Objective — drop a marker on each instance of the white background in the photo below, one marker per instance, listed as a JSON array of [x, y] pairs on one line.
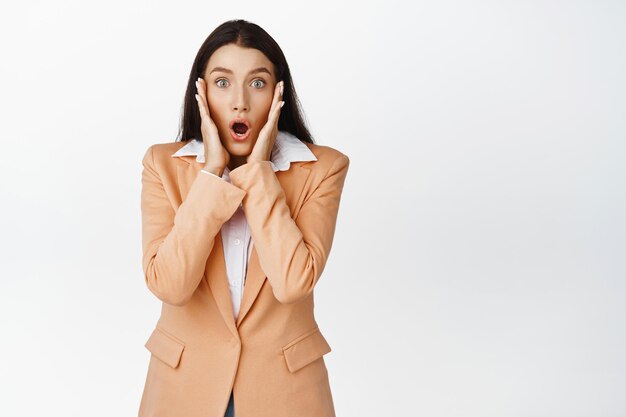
[[478, 266]]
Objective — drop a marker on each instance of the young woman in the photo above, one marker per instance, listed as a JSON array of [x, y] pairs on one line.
[[238, 219]]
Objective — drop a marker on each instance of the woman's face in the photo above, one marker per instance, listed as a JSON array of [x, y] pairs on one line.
[[240, 84]]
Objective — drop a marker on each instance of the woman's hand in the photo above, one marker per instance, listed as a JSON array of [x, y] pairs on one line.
[[262, 150], [216, 157]]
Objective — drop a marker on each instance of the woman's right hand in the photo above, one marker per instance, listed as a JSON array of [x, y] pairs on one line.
[[216, 157]]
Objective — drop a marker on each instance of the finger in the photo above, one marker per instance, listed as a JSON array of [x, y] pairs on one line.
[[277, 111], [203, 91], [277, 104], [202, 101], [276, 98], [201, 106]]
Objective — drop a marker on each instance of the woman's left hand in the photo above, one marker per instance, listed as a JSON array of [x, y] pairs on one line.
[[262, 150]]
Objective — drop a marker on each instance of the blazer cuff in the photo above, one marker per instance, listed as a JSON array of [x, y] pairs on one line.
[[250, 173], [210, 173], [211, 191]]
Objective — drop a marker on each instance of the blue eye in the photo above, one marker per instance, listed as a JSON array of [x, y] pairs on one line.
[[257, 81]]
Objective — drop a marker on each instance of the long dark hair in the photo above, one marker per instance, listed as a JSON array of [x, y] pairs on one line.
[[249, 35]]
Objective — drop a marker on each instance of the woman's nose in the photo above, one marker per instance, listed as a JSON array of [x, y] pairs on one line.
[[240, 101]]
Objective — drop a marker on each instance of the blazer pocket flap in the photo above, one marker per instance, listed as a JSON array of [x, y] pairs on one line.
[[165, 347], [305, 349]]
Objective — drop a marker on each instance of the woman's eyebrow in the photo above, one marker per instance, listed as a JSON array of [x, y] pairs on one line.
[[254, 71]]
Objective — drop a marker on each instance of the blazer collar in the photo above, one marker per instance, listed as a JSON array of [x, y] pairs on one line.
[[287, 148]]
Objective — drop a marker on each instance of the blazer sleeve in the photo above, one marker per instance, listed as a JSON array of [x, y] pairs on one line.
[[177, 243], [292, 253]]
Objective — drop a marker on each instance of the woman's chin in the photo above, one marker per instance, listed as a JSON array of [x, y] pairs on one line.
[[240, 148]]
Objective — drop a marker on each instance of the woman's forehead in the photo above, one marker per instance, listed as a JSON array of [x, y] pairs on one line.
[[235, 60]]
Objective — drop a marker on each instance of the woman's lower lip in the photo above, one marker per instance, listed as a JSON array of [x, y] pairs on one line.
[[240, 138]]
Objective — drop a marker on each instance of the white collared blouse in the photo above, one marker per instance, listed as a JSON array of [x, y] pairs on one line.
[[235, 232]]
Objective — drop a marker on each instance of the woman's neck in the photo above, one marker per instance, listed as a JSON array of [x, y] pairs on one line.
[[236, 161]]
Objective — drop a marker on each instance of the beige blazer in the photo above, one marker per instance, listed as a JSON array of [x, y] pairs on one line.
[[272, 355]]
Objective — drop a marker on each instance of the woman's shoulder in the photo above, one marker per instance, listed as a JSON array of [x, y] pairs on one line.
[[163, 148], [328, 158], [325, 153], [158, 153]]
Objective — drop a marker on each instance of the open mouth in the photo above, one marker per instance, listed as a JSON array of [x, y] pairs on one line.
[[240, 128]]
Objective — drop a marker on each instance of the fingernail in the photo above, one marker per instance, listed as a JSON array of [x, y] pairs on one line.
[[197, 98], [197, 85], [282, 103]]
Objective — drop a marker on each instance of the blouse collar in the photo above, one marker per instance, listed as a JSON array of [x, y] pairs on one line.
[[287, 148]]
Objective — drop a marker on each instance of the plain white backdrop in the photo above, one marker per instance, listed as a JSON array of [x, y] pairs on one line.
[[478, 266]]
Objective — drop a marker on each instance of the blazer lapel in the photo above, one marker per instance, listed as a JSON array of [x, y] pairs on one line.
[[218, 282], [293, 182]]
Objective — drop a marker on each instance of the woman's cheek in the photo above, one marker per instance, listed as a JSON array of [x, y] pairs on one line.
[[265, 104], [215, 107]]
